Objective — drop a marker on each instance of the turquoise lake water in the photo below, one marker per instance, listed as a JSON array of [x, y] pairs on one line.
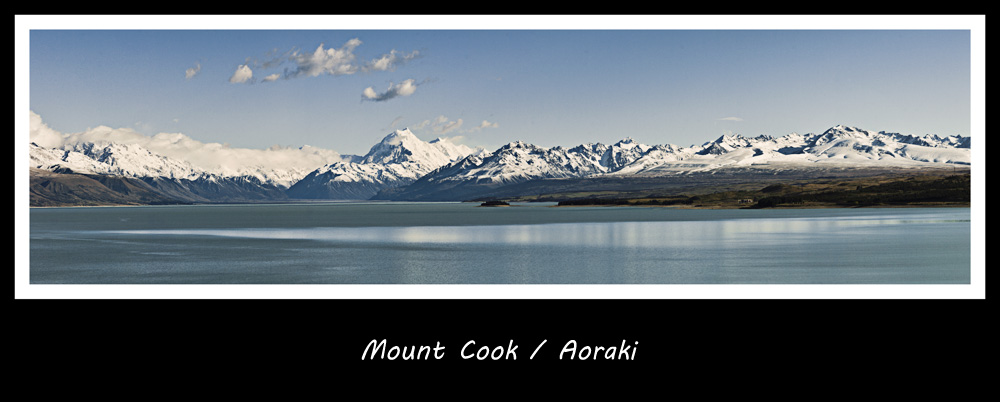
[[462, 243]]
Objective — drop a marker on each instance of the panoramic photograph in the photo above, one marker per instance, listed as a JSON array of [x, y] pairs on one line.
[[655, 156]]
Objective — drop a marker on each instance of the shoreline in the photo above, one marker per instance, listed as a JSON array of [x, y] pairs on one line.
[[924, 191], [967, 205], [780, 207]]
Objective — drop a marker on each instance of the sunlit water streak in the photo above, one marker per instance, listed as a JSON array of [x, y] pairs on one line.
[[459, 243]]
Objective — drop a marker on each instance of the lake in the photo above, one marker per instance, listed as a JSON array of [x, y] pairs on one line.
[[462, 243]]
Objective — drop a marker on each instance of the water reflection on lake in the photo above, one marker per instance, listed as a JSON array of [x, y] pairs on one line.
[[459, 243]]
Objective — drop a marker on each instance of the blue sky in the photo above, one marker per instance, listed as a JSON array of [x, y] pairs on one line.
[[547, 84]]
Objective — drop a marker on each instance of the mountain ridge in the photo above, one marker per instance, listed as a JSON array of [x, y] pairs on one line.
[[838, 147], [403, 167], [398, 160]]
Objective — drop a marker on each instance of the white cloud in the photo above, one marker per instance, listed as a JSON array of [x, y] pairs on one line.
[[486, 124], [405, 88], [191, 72], [424, 124], [442, 125], [731, 119], [457, 139], [275, 57], [395, 121], [222, 158], [106, 134], [448, 127], [41, 134], [142, 126], [326, 61], [439, 125], [391, 60], [242, 74]]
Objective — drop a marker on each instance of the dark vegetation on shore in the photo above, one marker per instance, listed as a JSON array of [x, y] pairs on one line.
[[729, 188], [50, 189], [887, 191]]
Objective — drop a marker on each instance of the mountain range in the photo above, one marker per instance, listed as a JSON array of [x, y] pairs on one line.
[[404, 167]]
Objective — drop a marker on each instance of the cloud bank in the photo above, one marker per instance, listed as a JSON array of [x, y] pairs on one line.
[[41, 134], [213, 157]]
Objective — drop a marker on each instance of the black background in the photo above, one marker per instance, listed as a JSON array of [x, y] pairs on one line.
[[271, 342]]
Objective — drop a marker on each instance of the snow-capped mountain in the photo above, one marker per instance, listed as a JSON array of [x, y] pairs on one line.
[[131, 160], [111, 159], [402, 146], [399, 159], [839, 146], [519, 161], [169, 177], [403, 167]]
